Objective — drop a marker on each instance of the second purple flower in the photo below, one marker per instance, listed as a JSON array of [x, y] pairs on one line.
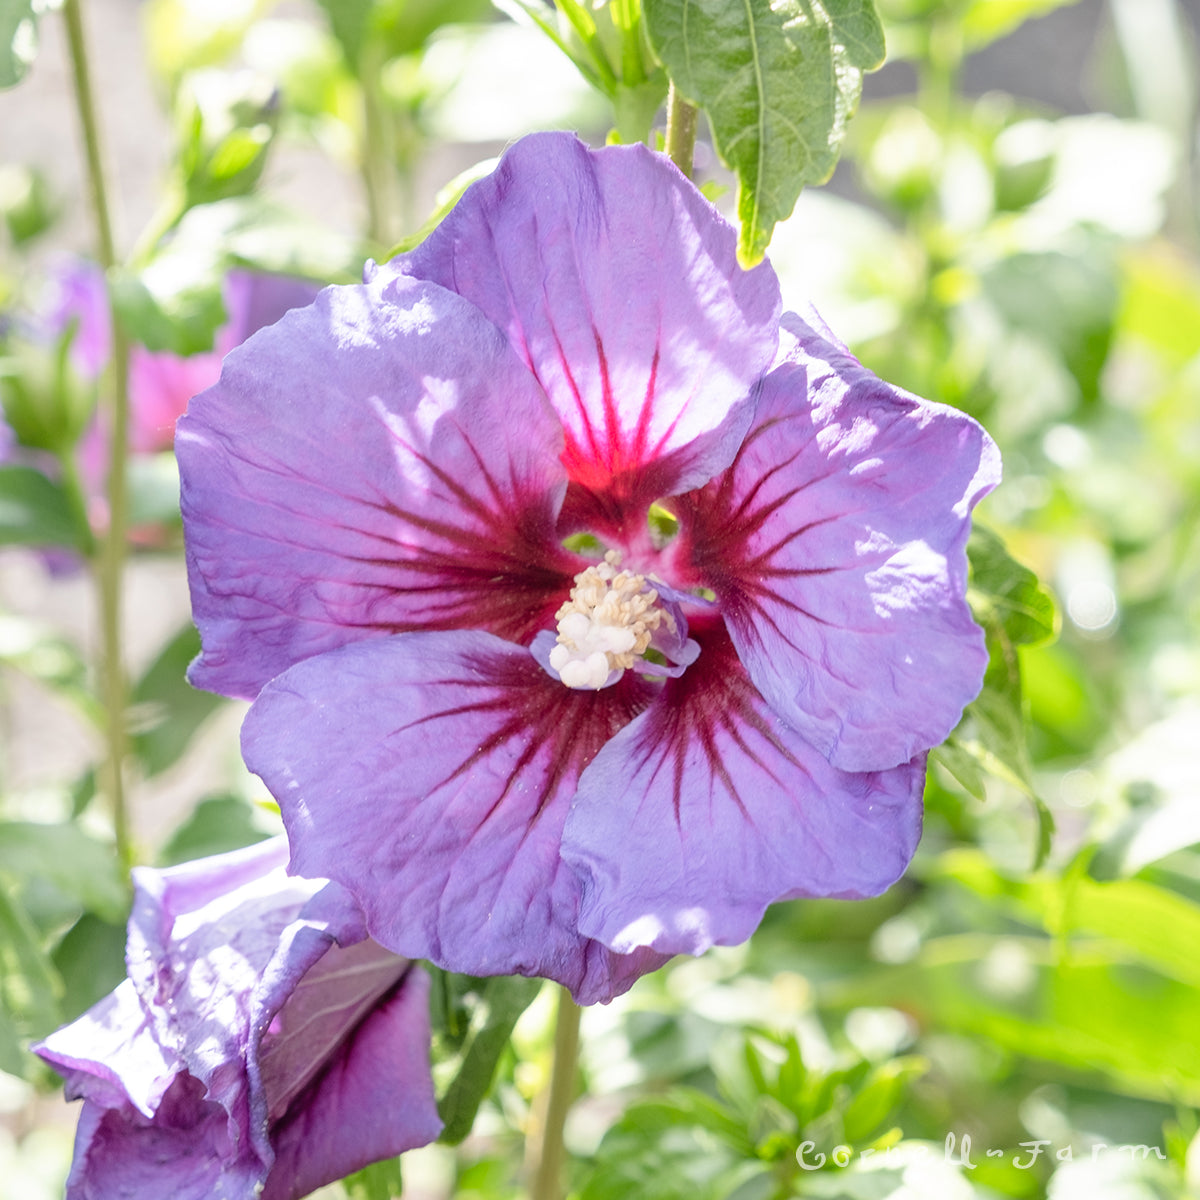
[[590, 606]]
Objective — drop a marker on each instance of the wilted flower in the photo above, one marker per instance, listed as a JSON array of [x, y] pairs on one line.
[[593, 607], [259, 1041]]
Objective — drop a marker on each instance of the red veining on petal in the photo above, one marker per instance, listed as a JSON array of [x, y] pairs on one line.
[[499, 567], [641, 433], [713, 700], [574, 452], [522, 705], [612, 418], [616, 476], [719, 545]]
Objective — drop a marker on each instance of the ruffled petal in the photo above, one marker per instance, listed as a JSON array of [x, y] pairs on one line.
[[185, 1152], [430, 774], [836, 545], [257, 1025], [708, 807], [373, 1100], [619, 285], [366, 465], [203, 937], [110, 1055]]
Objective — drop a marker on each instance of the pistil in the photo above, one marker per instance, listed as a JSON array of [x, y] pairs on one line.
[[607, 625]]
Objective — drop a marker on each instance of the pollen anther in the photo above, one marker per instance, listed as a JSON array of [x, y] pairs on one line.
[[606, 625]]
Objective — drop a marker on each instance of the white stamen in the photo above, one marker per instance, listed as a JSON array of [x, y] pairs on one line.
[[606, 625]]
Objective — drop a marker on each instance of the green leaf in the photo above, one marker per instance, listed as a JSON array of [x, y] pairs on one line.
[[964, 766], [405, 26], [18, 39], [177, 308], [91, 962], [239, 152], [1067, 302], [1092, 1010], [348, 20], [444, 202], [167, 710], [393, 27], [686, 1106], [1005, 594], [1014, 609], [29, 985], [27, 202], [34, 511], [476, 1019], [76, 864], [227, 124], [652, 1151], [216, 825], [377, 1181], [48, 403], [858, 31], [778, 81], [879, 1096], [1159, 927]]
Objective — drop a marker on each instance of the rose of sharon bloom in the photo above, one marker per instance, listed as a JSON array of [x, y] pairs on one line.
[[529, 729], [260, 1041]]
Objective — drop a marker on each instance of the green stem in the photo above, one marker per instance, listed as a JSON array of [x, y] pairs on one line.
[[547, 1178], [681, 131], [376, 159], [109, 568]]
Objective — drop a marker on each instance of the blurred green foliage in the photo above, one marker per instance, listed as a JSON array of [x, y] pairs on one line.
[[1017, 1017]]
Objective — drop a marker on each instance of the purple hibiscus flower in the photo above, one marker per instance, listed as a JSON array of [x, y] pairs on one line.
[[590, 606], [261, 1045]]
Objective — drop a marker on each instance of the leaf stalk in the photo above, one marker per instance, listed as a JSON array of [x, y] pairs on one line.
[[682, 117]]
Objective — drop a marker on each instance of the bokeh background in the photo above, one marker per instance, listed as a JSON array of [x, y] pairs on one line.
[[1014, 230]]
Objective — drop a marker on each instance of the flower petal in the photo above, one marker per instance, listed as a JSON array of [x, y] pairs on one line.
[[430, 774], [367, 465], [216, 947], [307, 1019], [619, 285], [252, 1040], [373, 1100], [110, 1056], [201, 936], [160, 386], [707, 808], [836, 544], [185, 1152]]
